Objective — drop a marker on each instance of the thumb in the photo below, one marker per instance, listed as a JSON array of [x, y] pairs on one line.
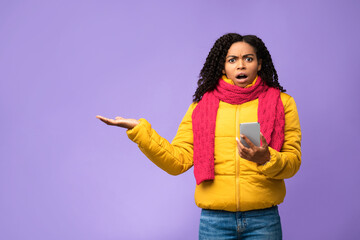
[[263, 140]]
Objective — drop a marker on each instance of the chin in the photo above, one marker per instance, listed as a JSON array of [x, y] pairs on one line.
[[242, 84]]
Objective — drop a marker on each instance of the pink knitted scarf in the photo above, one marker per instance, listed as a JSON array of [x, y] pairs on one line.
[[270, 116]]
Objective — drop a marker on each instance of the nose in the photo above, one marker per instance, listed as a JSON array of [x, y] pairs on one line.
[[241, 64]]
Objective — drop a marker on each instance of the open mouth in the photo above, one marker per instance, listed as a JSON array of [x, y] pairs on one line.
[[241, 76]]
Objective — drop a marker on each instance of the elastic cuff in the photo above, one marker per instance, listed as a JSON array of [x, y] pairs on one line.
[[132, 133], [273, 162]]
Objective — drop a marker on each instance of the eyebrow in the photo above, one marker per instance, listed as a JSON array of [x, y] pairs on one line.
[[246, 55]]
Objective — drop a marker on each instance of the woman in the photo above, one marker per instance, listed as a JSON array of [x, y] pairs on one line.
[[238, 187]]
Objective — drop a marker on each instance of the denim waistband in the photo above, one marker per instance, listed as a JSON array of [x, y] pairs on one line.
[[257, 212]]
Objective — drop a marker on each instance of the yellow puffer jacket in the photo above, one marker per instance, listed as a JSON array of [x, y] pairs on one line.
[[239, 184]]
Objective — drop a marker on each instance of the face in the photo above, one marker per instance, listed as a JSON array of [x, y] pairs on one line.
[[241, 64]]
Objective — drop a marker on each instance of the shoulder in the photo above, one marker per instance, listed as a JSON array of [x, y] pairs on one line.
[[290, 108], [192, 107], [287, 99], [189, 112], [284, 97]]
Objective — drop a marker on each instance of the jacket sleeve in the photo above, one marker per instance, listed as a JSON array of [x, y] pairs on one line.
[[174, 158], [286, 163]]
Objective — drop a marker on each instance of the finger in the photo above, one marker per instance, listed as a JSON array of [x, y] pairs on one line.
[[240, 145], [244, 154], [101, 118], [238, 142], [263, 141], [119, 118], [107, 121], [243, 151], [251, 145]]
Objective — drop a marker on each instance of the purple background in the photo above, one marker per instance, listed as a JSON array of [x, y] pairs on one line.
[[65, 175]]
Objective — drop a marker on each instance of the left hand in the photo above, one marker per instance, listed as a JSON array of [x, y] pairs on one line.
[[259, 155], [119, 121]]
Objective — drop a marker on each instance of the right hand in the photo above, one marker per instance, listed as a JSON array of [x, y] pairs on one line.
[[119, 121]]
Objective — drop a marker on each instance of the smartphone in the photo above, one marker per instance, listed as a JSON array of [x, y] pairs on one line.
[[252, 131]]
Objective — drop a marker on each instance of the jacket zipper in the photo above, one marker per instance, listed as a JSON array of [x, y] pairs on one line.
[[237, 162]]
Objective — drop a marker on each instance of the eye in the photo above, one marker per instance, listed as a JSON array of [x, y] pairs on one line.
[[231, 60], [249, 59]]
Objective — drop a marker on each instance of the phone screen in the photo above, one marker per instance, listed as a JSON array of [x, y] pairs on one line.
[[251, 131]]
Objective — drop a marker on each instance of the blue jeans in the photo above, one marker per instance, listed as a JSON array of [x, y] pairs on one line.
[[256, 224]]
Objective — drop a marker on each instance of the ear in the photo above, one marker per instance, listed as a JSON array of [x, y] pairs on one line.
[[259, 64], [223, 71]]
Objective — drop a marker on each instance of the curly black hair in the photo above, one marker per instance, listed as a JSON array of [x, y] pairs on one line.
[[215, 62]]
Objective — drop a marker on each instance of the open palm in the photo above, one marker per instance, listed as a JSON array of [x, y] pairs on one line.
[[119, 121]]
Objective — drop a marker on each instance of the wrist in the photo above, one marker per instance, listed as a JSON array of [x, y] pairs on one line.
[[265, 162], [133, 124], [266, 159]]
